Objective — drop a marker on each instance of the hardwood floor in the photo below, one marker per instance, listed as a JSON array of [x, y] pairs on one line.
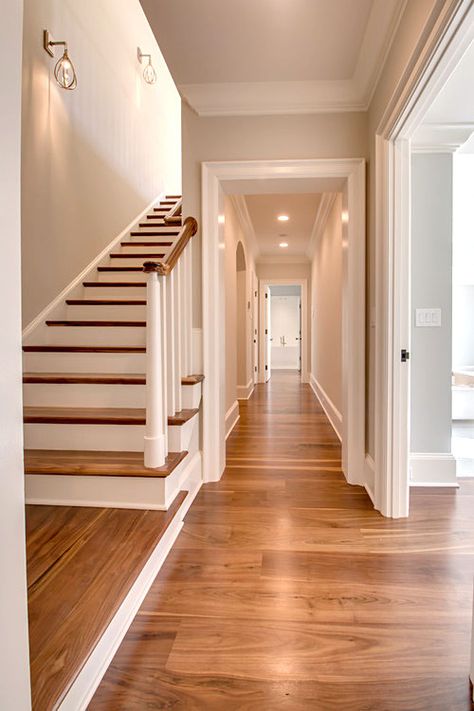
[[286, 591]]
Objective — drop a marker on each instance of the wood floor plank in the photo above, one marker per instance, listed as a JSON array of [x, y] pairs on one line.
[[287, 591]]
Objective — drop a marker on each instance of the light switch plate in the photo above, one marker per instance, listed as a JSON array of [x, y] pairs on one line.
[[428, 318]]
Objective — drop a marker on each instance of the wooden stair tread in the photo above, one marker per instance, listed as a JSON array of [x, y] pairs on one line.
[[87, 570], [97, 416], [151, 233], [100, 324], [192, 379], [117, 284], [85, 378], [84, 349], [105, 302], [133, 255], [84, 463], [146, 244], [119, 269]]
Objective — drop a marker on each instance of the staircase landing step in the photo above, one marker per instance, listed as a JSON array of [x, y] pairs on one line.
[[82, 562], [97, 416], [83, 463]]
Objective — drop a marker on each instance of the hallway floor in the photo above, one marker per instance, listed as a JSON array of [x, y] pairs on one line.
[[286, 591]]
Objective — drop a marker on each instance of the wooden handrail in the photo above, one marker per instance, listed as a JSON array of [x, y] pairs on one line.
[[190, 227], [174, 215]]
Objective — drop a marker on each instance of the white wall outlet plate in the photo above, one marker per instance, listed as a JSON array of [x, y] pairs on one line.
[[428, 318]]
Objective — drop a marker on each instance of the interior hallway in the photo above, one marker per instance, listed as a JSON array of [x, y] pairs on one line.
[[286, 590]]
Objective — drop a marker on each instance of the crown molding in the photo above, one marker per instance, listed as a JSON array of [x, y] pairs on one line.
[[306, 97], [240, 206], [324, 210], [441, 137]]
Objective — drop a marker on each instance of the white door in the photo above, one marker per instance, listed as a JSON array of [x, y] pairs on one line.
[[268, 335]]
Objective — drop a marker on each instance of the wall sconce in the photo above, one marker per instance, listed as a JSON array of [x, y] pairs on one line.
[[149, 73], [64, 71]]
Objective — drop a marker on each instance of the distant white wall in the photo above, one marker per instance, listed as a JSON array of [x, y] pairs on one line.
[[93, 158], [14, 675], [285, 324], [463, 261], [431, 287], [326, 325]]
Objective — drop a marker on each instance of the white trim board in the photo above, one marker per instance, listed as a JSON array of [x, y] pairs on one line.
[[58, 301], [432, 469], [215, 175], [232, 416], [244, 392], [332, 413], [448, 32], [84, 686]]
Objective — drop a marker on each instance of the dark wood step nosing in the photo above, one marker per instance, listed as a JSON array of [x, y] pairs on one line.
[[123, 255], [146, 244], [85, 463], [105, 302], [84, 379], [114, 284], [119, 269], [96, 324], [84, 349], [97, 416]]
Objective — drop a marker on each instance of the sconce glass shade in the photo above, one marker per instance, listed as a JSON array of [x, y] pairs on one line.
[[149, 73], [64, 72]]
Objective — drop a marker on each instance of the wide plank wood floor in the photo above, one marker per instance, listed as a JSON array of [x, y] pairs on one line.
[[286, 591]]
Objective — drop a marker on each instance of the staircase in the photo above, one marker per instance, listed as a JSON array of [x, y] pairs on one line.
[[111, 402]]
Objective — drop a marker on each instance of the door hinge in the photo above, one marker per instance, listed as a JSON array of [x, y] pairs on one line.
[[266, 367], [404, 355], [266, 331], [266, 296]]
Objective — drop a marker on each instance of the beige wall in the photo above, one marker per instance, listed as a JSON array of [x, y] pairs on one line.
[[342, 135], [15, 682], [326, 323], [237, 316], [93, 158]]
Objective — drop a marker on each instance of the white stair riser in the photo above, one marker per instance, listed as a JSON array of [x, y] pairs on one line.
[[120, 276], [84, 362], [114, 292], [107, 438], [83, 395], [191, 396], [106, 313], [185, 437], [132, 261], [94, 336]]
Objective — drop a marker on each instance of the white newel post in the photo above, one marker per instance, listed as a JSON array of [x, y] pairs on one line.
[[155, 439]]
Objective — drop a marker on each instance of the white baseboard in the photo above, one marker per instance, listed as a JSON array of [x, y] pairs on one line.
[[245, 391], [232, 416], [432, 469], [332, 413], [90, 676], [198, 366], [58, 301], [369, 476]]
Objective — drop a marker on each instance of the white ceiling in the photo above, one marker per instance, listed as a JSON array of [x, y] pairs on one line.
[[274, 56], [449, 122], [302, 210]]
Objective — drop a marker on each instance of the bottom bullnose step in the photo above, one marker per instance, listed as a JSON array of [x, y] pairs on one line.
[[88, 572], [118, 464]]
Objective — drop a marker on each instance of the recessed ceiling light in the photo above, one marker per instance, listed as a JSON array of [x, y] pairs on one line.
[[283, 244], [283, 218]]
